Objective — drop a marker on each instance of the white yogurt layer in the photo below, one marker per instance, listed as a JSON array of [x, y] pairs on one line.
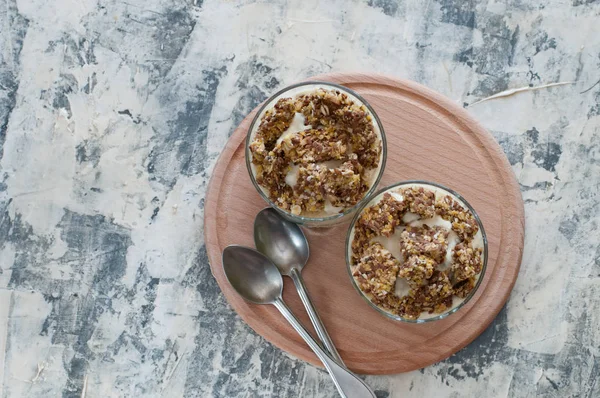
[[297, 126], [392, 243]]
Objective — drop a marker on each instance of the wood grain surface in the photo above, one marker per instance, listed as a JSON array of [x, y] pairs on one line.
[[429, 138]]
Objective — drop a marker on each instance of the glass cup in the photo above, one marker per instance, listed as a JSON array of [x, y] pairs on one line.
[[371, 201], [336, 218]]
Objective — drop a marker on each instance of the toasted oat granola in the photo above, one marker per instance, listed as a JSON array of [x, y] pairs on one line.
[[337, 129], [376, 271], [407, 307], [434, 280], [463, 222], [384, 216], [417, 269], [463, 288], [434, 293], [420, 201], [425, 240], [467, 261], [274, 122], [343, 185], [315, 145]]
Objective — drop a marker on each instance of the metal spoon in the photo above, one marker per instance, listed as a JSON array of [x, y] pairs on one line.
[[284, 243], [258, 280]]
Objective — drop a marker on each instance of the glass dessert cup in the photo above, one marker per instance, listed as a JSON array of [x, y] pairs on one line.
[[480, 236], [323, 220]]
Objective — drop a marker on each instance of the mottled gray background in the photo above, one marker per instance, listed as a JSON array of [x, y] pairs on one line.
[[112, 115]]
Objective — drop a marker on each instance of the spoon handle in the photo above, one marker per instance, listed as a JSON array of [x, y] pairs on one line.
[[347, 383], [314, 316]]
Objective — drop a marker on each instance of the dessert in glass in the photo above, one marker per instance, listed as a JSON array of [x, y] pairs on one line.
[[315, 151], [416, 251]]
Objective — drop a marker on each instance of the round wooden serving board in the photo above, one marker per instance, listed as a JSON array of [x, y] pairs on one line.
[[429, 138]]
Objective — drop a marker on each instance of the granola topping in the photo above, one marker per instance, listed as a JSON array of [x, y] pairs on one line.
[[377, 271], [416, 251], [316, 152]]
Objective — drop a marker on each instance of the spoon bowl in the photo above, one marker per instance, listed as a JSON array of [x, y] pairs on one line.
[[280, 240], [252, 275]]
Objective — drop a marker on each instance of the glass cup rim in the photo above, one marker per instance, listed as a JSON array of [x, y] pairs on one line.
[[302, 219], [398, 317]]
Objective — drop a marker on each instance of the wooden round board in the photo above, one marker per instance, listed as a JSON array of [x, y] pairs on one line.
[[429, 138]]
